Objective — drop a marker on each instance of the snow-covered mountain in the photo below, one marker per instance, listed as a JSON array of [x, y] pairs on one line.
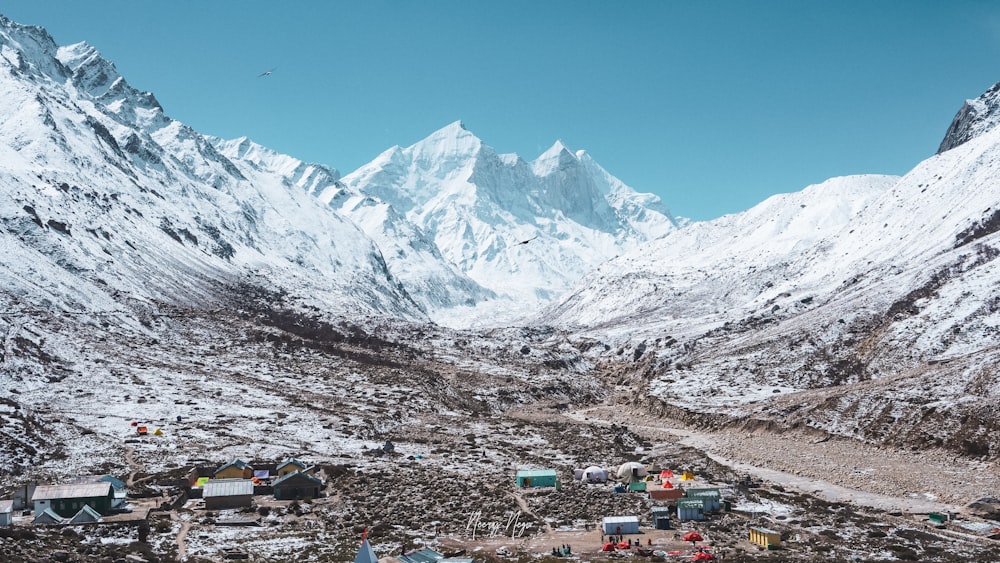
[[526, 231], [887, 284], [410, 256], [108, 204]]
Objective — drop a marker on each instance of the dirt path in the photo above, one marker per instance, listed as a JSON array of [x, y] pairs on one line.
[[181, 535], [837, 470], [134, 465]]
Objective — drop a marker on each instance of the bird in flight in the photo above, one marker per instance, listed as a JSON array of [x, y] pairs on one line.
[[527, 241], [266, 72]]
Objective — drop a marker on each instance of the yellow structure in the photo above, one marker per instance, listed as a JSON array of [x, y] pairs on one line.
[[236, 469], [687, 476], [765, 538]]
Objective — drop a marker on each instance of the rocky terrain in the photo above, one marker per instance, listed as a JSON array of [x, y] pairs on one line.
[[463, 410]]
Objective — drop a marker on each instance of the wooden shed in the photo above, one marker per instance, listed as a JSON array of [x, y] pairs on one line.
[[67, 500], [228, 493], [297, 485], [665, 494], [690, 509], [290, 466], [620, 525], [537, 478], [236, 469], [765, 538]]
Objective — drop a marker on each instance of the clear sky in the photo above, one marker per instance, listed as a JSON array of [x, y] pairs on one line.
[[713, 105]]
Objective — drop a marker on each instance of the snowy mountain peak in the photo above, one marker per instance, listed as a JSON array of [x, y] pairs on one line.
[[450, 142], [975, 118], [558, 156]]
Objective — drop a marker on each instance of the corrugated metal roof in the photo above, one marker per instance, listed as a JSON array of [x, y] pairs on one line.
[[237, 463], [536, 472], [661, 510], [297, 476], [7, 505], [72, 490], [764, 530], [228, 488], [620, 519], [425, 555], [690, 503]]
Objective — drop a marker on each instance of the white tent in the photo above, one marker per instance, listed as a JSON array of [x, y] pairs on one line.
[[594, 474], [631, 471]]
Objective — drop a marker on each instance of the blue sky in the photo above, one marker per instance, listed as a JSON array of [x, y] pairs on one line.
[[713, 105]]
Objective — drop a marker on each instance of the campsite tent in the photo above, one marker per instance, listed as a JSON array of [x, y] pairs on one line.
[[594, 474], [666, 474], [366, 554], [631, 471]]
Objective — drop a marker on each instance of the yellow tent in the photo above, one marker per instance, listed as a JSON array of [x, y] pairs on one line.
[[158, 432], [201, 481], [687, 476]]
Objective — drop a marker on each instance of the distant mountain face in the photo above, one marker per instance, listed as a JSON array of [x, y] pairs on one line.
[[876, 294], [410, 256], [107, 202], [525, 231]]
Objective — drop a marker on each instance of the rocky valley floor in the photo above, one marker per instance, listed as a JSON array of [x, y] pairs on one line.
[[464, 411]]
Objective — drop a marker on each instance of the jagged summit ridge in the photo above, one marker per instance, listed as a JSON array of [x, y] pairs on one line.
[[973, 119], [479, 207]]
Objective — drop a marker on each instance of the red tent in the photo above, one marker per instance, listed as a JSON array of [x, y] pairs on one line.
[[703, 556], [666, 474], [608, 546], [668, 485], [622, 545], [693, 537]]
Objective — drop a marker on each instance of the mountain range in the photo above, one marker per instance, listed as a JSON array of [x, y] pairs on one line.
[[864, 306]]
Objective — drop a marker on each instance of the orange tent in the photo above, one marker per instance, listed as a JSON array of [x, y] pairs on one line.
[[608, 546], [142, 430], [668, 485], [666, 474]]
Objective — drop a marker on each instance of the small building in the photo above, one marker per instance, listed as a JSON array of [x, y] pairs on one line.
[[661, 517], [290, 466], [236, 469], [620, 525], [47, 518], [228, 493], [120, 487], [6, 513], [711, 497], [765, 538], [690, 509], [86, 515], [527, 478], [665, 494], [67, 500], [637, 486], [297, 485]]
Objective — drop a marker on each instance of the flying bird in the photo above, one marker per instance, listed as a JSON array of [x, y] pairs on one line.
[[527, 241], [266, 72]]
